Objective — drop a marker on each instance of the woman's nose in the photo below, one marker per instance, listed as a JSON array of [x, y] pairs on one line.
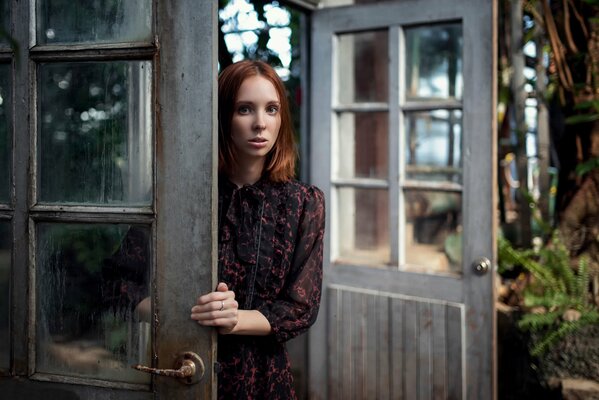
[[259, 122]]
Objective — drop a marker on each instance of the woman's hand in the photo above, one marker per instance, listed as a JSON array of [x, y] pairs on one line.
[[218, 309]]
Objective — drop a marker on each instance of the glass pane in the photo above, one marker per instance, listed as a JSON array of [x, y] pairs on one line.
[[4, 20], [363, 218], [67, 21], [5, 132], [93, 300], [433, 238], [362, 67], [95, 133], [5, 257], [363, 143], [434, 62], [434, 146], [337, 3]]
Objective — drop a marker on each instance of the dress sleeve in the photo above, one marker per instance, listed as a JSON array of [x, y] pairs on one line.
[[296, 308]]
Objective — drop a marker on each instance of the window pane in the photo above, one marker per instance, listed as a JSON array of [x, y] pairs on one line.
[[434, 62], [5, 132], [67, 21], [433, 238], [5, 257], [4, 18], [363, 143], [433, 146], [95, 133], [363, 65], [337, 3], [92, 307], [363, 219]]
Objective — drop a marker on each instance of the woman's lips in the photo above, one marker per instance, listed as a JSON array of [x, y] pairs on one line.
[[258, 143]]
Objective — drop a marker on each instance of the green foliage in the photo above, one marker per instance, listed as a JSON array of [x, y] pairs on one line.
[[554, 289], [587, 166]]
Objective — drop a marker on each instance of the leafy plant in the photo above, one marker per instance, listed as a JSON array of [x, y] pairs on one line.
[[556, 301]]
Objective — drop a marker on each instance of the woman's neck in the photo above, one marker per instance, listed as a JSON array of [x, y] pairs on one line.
[[247, 173]]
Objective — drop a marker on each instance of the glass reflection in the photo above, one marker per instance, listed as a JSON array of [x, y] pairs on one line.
[[363, 67], [433, 239], [93, 307], [363, 143], [434, 62], [5, 132], [4, 19], [67, 21], [363, 226], [433, 146], [95, 140], [5, 262]]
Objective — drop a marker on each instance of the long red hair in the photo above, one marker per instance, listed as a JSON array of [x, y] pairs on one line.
[[280, 161]]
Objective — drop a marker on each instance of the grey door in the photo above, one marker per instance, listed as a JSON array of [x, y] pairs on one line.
[[107, 198], [403, 134]]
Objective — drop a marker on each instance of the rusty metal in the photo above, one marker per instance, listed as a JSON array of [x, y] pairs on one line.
[[189, 368]]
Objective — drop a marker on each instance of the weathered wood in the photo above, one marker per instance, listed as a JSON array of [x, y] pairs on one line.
[[411, 353], [334, 363], [455, 353], [425, 361], [439, 352], [382, 337], [186, 187], [397, 347]]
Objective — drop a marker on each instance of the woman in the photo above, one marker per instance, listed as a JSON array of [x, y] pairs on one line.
[[270, 238]]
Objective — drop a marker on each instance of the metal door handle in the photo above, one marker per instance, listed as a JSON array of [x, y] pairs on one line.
[[481, 266], [189, 368]]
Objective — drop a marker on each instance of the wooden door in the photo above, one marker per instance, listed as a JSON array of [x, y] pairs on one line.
[[108, 198], [403, 138]]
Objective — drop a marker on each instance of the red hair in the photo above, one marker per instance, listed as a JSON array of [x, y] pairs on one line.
[[280, 161]]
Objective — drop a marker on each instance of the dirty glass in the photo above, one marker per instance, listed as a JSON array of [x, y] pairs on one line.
[[93, 307], [4, 19], [434, 62], [95, 133], [5, 132], [363, 143], [433, 231], [5, 257], [337, 3], [363, 221], [434, 145], [362, 63], [68, 21]]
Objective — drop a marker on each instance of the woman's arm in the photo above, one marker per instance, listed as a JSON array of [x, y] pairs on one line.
[[220, 309]]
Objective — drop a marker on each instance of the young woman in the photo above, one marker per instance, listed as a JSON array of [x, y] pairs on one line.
[[270, 238]]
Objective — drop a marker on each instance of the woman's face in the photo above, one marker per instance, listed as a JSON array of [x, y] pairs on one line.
[[256, 119]]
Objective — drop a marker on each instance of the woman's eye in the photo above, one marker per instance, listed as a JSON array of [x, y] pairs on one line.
[[272, 110], [243, 110]]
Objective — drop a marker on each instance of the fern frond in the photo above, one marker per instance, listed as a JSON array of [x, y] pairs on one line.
[[538, 322], [582, 281], [565, 328]]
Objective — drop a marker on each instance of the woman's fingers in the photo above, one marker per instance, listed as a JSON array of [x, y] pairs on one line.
[[215, 296], [222, 287], [218, 309], [220, 306]]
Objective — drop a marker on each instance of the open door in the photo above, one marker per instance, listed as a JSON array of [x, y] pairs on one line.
[[403, 145], [108, 198]]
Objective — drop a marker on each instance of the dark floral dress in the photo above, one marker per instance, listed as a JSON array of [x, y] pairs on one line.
[[270, 255]]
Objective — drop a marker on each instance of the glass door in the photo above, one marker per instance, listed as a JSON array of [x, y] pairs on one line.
[[402, 145], [107, 197]]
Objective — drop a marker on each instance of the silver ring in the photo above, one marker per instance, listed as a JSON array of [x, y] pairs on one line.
[[222, 305]]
